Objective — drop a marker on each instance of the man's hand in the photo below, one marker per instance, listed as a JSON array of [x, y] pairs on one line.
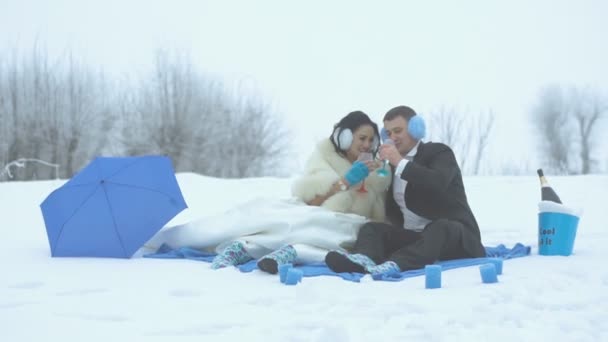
[[389, 152]]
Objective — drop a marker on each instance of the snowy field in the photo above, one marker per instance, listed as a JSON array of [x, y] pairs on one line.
[[538, 298]]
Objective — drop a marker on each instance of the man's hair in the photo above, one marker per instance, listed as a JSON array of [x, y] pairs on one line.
[[403, 111]]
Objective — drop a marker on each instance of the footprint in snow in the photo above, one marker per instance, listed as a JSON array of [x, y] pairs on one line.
[[27, 285], [96, 317], [81, 292], [14, 304], [184, 293]]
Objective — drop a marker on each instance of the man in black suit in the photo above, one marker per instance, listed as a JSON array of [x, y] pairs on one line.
[[426, 206]]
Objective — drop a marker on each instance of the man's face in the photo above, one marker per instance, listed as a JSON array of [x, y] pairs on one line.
[[397, 132]]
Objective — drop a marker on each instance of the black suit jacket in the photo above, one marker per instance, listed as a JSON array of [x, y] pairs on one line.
[[435, 190]]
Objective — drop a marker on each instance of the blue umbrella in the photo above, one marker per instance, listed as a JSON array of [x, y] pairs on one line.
[[112, 207]]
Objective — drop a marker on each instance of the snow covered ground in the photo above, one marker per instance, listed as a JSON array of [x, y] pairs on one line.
[[538, 298]]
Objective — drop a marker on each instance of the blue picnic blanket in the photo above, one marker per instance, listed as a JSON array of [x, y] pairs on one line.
[[319, 269]]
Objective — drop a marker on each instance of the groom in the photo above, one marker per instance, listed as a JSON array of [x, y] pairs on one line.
[[426, 205]]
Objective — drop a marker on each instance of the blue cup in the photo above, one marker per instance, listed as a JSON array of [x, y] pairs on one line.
[[283, 271], [556, 233], [432, 276], [488, 273], [497, 263], [293, 276]]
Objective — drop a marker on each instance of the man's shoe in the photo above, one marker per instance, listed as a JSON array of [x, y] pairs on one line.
[[270, 263], [340, 262]]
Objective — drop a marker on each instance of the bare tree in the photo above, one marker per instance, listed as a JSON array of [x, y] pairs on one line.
[[5, 120], [58, 111], [551, 120], [160, 112], [567, 120], [588, 108], [467, 133], [262, 146], [20, 87], [483, 129], [447, 127], [190, 116]]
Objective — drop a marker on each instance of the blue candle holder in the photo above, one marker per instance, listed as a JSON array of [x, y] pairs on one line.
[[293, 276], [488, 273], [432, 275], [498, 264], [283, 271]]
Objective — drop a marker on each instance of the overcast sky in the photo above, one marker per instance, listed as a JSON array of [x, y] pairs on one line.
[[318, 60]]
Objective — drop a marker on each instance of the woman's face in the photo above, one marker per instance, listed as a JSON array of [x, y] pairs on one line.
[[363, 138]]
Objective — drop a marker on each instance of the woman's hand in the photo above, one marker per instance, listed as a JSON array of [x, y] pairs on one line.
[[357, 173], [372, 165], [340, 185]]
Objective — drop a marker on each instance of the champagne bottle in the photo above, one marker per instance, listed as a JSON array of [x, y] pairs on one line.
[[547, 192]]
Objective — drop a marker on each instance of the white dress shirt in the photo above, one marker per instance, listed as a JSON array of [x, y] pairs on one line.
[[411, 221]]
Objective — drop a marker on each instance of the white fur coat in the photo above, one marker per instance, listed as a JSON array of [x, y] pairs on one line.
[[324, 168]]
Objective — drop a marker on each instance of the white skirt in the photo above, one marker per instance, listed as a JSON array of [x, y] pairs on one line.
[[266, 225]]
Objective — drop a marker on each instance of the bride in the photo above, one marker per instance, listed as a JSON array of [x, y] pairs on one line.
[[331, 200]]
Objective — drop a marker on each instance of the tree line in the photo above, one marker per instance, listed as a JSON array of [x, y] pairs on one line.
[[567, 122], [63, 112], [58, 114]]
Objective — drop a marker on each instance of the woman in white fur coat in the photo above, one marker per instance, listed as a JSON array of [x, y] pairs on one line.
[[325, 214]]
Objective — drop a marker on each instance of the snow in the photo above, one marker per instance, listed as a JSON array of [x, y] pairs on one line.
[[538, 298]]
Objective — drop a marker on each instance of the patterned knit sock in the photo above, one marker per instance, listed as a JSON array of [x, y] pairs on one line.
[[284, 255], [387, 267], [359, 259], [234, 254]]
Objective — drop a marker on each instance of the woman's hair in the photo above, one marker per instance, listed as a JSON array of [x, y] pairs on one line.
[[352, 121]]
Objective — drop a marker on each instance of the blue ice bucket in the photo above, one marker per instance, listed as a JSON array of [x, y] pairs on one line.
[[556, 233]]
